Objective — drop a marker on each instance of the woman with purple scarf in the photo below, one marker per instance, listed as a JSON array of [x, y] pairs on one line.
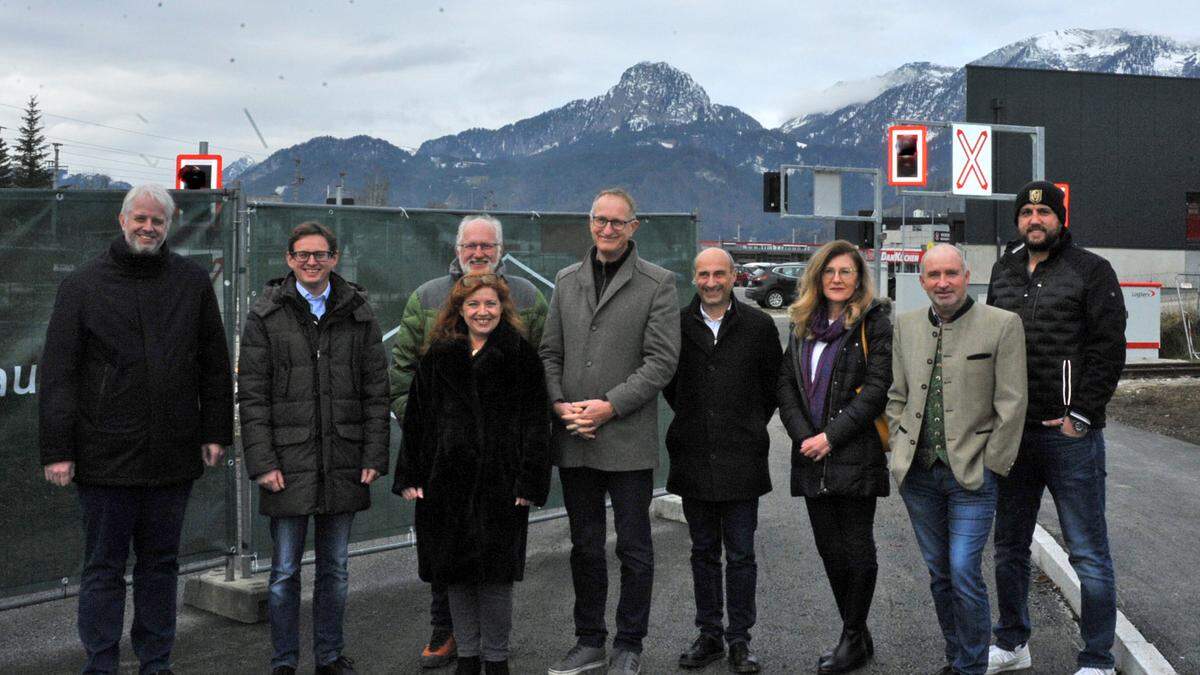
[[832, 385]]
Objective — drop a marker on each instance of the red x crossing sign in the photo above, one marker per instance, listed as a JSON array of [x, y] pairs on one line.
[[972, 159]]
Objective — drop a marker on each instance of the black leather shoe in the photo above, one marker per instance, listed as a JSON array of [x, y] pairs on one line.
[[467, 665], [283, 670], [343, 666], [823, 662], [704, 650], [851, 653], [495, 667], [741, 660]]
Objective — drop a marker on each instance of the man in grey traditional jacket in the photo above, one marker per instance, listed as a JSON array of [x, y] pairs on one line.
[[610, 345], [955, 410]]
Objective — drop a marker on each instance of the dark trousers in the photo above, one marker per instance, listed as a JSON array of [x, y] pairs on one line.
[[1074, 471], [583, 494], [844, 530], [712, 524], [113, 517], [484, 618], [439, 607]]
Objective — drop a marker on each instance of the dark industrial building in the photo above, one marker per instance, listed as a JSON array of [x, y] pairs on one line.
[[1128, 145]]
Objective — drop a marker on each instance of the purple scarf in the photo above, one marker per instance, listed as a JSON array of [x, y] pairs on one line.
[[817, 389]]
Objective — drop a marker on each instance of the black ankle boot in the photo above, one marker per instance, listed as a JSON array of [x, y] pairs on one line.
[[851, 653], [467, 665], [495, 667]]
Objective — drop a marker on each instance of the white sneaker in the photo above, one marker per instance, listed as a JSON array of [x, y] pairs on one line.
[[1096, 671], [1002, 660]]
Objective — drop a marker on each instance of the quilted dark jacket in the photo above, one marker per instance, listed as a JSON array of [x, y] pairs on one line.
[[856, 465], [313, 398], [1074, 317]]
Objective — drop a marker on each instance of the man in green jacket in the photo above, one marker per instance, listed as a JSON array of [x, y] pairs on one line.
[[479, 247]]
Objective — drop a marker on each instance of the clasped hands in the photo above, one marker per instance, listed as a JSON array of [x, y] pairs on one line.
[[583, 418], [815, 447]]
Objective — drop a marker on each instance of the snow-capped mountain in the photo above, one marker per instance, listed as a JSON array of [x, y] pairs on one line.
[[657, 132], [936, 92], [236, 168], [1100, 51], [648, 95]]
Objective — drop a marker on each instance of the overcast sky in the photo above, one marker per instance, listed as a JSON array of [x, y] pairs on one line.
[[406, 71]]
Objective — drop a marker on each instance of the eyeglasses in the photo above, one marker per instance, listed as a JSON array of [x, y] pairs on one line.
[[319, 256], [473, 280], [616, 225], [485, 247], [845, 272]]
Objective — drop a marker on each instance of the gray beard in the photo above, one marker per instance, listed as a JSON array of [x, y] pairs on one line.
[[138, 249]]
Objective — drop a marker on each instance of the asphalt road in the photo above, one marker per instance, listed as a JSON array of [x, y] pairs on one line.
[[387, 617]]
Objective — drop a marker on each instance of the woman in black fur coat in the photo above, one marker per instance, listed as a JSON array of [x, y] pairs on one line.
[[475, 455]]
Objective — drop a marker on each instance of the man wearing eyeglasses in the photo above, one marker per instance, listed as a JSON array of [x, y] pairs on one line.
[[479, 247], [312, 392], [611, 344]]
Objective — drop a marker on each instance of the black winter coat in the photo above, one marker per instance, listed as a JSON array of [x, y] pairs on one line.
[[476, 437], [134, 375], [723, 395], [1073, 312], [856, 465], [313, 397]]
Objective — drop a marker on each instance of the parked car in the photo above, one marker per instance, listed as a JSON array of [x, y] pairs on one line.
[[775, 287], [741, 275]]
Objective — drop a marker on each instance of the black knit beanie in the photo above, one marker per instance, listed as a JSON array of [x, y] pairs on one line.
[[1041, 192]]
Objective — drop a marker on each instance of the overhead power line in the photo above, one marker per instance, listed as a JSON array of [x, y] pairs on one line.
[[142, 165], [96, 146], [130, 131]]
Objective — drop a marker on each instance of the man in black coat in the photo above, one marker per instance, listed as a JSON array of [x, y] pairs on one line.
[[135, 397], [1073, 312], [313, 397], [723, 395]]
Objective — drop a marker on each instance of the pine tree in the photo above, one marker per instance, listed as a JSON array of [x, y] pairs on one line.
[[30, 170], [6, 172]]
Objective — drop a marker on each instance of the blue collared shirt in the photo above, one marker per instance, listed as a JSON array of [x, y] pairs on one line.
[[316, 303]]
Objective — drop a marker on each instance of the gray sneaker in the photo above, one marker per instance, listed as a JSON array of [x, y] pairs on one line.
[[625, 662], [580, 659]]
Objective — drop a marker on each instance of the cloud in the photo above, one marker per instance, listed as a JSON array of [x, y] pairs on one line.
[[402, 59]]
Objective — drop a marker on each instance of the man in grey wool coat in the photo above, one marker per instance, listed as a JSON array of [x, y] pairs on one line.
[[611, 343]]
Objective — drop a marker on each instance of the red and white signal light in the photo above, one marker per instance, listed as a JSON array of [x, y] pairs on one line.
[[908, 155]]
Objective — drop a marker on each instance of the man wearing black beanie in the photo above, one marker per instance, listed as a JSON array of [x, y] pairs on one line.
[[1071, 306]]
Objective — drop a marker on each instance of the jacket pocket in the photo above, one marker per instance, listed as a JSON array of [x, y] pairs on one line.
[[976, 357], [350, 432], [983, 431], [291, 435]]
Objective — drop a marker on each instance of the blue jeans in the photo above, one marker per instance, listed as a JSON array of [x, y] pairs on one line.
[[332, 544], [952, 525], [1073, 469], [732, 523], [152, 519], [583, 496]]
